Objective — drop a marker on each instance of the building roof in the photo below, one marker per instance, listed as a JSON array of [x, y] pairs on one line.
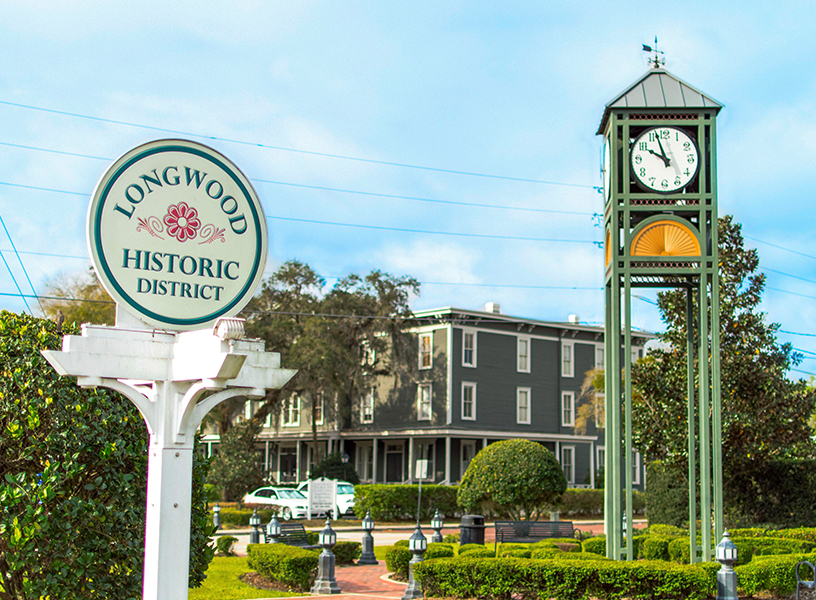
[[658, 88]]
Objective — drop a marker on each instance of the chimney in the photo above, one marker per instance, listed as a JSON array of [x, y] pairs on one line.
[[493, 307], [574, 319]]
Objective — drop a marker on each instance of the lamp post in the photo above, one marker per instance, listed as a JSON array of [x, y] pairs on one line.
[[726, 553], [325, 582], [367, 557], [417, 544], [273, 530], [255, 534], [217, 516], [436, 524], [345, 459]]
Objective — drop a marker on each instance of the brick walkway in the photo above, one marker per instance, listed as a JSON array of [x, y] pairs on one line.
[[366, 581]]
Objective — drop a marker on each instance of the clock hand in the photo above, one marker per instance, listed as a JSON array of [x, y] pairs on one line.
[[666, 159]]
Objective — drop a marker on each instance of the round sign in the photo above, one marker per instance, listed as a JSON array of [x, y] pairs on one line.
[[177, 234]]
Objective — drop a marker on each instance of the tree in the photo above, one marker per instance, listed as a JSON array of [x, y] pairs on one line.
[[765, 415], [512, 478], [78, 298], [333, 467], [339, 339], [73, 476], [235, 468]]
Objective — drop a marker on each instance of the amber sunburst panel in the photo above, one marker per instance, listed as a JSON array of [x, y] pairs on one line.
[[608, 248], [665, 238]]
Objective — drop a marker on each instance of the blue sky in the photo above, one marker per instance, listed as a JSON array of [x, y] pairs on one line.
[[508, 91]]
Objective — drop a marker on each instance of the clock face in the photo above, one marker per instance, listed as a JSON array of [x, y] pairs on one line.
[[664, 159]]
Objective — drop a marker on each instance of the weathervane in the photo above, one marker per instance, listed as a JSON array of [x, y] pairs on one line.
[[656, 61]]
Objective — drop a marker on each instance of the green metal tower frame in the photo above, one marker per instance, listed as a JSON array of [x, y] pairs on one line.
[[660, 99]]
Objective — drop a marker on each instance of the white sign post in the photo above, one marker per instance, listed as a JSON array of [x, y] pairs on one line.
[[322, 494], [178, 238]]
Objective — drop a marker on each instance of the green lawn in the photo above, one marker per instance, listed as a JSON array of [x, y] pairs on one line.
[[222, 582]]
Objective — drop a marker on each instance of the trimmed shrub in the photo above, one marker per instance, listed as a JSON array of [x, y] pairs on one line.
[[467, 547], [749, 547], [680, 550], [654, 547], [404, 544], [774, 574], [451, 538], [224, 544], [477, 552], [289, 565], [518, 553], [396, 502], [670, 530], [544, 553], [509, 477], [236, 517], [347, 552], [774, 491], [505, 578], [438, 550], [396, 561], [595, 544], [590, 503]]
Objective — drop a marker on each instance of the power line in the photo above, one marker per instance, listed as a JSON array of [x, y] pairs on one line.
[[312, 187], [20, 260], [780, 247], [294, 150], [788, 275], [405, 230], [792, 293], [795, 333]]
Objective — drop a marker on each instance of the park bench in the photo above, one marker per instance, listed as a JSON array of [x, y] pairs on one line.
[[528, 532], [810, 584], [292, 534]]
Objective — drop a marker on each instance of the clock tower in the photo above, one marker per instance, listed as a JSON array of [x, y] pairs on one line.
[[660, 229]]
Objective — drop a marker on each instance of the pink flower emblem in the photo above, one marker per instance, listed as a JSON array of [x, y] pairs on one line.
[[182, 221]]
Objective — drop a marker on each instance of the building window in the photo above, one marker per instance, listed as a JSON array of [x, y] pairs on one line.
[[468, 452], [367, 409], [425, 350], [523, 406], [599, 357], [468, 348], [291, 412], [568, 409], [636, 354], [601, 454], [568, 463], [567, 362], [317, 410], [468, 401], [249, 409], [636, 468], [523, 352], [424, 402], [365, 461]]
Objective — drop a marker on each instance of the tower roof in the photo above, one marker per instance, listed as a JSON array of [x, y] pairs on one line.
[[659, 89]]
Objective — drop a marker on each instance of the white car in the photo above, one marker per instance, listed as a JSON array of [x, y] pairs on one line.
[[293, 504], [345, 497]]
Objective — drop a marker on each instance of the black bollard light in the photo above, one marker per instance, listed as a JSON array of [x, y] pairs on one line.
[[726, 553], [417, 544], [325, 582], [367, 557], [436, 524], [273, 530], [217, 516], [255, 534]]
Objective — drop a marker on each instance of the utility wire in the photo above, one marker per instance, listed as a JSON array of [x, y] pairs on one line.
[[404, 230], [795, 333], [294, 150], [14, 279], [780, 247], [20, 260]]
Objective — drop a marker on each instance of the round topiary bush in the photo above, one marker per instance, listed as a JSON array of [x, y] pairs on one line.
[[512, 478]]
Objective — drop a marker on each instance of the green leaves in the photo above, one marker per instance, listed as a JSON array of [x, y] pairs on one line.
[[512, 477]]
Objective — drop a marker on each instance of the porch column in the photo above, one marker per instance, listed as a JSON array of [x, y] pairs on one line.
[[447, 460]]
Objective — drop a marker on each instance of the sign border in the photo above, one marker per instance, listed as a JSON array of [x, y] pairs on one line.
[[100, 261]]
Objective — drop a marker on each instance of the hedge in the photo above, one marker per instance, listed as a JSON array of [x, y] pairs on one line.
[[654, 547], [240, 517], [773, 574], [398, 556], [506, 578], [595, 544], [590, 503], [292, 566], [397, 502], [346, 553]]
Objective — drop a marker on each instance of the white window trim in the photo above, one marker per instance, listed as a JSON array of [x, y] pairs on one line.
[[418, 451], [602, 349], [636, 468], [287, 411], [571, 475], [568, 422], [420, 387], [474, 333], [368, 401], [519, 339], [421, 337], [570, 372], [322, 405], [529, 405], [600, 457], [471, 385]]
